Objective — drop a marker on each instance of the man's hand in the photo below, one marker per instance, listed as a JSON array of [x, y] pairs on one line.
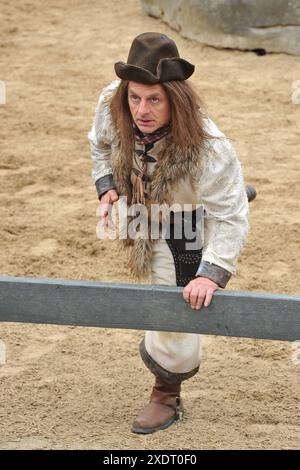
[[199, 290], [105, 207]]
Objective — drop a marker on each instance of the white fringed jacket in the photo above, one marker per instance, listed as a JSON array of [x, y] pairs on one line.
[[217, 184]]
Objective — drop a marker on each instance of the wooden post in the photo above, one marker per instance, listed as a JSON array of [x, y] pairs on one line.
[[146, 307]]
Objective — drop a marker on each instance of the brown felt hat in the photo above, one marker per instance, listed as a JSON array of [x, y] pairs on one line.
[[154, 58]]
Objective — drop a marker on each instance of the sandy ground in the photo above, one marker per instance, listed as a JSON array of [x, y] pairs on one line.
[[73, 387]]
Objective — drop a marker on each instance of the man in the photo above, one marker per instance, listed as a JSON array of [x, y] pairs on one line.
[[152, 142]]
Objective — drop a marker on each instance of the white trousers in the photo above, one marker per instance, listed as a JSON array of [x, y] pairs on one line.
[[175, 352]]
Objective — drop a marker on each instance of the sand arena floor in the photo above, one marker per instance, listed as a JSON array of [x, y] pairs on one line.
[[73, 387]]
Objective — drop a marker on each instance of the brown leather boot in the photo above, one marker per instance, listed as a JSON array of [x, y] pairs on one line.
[[164, 409]]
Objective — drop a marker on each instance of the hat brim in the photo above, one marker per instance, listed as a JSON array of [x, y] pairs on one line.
[[174, 68]]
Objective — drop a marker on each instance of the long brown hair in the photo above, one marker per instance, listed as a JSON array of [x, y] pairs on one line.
[[187, 116]]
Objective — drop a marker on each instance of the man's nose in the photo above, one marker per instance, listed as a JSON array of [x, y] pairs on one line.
[[143, 107]]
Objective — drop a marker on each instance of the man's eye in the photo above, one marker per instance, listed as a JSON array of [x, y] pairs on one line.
[[134, 98], [154, 100]]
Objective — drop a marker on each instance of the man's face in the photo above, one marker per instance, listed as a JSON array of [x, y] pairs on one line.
[[149, 106]]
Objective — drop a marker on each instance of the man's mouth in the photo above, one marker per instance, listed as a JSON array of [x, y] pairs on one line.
[[145, 121]]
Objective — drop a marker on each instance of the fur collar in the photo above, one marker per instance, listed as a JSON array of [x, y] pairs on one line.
[[172, 166]]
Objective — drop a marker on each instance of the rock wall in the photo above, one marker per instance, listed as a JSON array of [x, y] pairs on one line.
[[273, 25]]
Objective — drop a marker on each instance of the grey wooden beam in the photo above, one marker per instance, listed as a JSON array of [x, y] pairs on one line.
[[145, 307]]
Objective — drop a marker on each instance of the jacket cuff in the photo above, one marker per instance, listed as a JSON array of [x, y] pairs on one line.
[[213, 272], [104, 184]]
